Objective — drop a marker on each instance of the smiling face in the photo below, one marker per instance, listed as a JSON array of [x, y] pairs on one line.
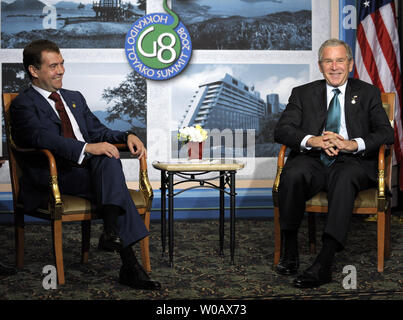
[[335, 65], [49, 76]]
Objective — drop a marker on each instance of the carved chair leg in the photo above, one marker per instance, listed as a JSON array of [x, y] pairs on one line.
[[381, 240], [58, 250], [145, 244], [145, 254]]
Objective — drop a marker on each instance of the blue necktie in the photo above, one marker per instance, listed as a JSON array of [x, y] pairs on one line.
[[332, 124]]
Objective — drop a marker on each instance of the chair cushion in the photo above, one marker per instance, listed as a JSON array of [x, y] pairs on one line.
[[74, 204], [365, 199]]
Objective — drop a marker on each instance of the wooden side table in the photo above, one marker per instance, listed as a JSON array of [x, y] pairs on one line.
[[197, 171]]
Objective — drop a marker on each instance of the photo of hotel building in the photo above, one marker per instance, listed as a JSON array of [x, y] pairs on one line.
[[226, 103]]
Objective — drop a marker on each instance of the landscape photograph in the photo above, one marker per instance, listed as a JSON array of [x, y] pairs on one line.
[[247, 24], [70, 23]]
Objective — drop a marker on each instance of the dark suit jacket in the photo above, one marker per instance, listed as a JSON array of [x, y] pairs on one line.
[[36, 125], [307, 110]]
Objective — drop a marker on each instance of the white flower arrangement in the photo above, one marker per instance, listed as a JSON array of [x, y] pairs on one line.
[[193, 134]]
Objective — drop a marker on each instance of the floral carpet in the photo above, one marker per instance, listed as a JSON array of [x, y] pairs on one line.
[[199, 272]]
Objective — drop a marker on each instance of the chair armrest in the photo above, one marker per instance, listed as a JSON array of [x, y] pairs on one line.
[[384, 169], [144, 183], [57, 209], [384, 175], [280, 165], [381, 171]]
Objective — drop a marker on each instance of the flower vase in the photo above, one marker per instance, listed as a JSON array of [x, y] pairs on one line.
[[195, 150]]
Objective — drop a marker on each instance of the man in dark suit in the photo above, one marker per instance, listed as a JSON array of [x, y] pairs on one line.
[[47, 116], [334, 128]]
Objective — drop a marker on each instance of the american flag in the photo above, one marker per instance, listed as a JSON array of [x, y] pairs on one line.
[[377, 57]]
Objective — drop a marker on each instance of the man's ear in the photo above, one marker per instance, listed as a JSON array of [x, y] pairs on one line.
[[33, 71], [351, 65]]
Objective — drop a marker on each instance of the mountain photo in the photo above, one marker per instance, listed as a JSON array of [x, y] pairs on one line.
[[247, 24], [71, 24]]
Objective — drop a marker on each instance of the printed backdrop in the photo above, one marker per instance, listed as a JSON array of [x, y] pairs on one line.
[[268, 46]]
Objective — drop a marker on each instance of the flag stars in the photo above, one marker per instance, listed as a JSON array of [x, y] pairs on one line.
[[366, 4]]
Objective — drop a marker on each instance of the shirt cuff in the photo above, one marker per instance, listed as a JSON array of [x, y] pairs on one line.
[[303, 143], [361, 145], [82, 155]]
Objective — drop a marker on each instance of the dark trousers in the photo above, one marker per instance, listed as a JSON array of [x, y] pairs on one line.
[[103, 182], [304, 176]]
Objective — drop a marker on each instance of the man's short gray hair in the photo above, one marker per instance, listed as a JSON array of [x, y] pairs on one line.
[[335, 43]]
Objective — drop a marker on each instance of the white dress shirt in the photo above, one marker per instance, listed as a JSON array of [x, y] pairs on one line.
[[74, 124], [343, 127]]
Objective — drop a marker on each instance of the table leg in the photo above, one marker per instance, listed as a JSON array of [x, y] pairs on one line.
[[222, 212], [171, 217], [163, 211], [232, 215]]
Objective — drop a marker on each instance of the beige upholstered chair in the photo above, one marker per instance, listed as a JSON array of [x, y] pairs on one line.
[[375, 201], [63, 208]]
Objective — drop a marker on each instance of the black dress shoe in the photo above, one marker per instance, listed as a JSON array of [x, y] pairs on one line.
[[289, 263], [7, 271], [109, 241], [135, 277], [313, 277]]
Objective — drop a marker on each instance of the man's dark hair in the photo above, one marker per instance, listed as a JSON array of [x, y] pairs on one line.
[[32, 54]]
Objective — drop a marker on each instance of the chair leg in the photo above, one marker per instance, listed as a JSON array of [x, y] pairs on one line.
[[19, 238], [145, 254], [312, 232], [381, 240], [86, 236], [58, 250], [277, 236], [145, 244]]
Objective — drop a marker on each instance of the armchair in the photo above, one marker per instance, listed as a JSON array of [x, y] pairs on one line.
[[375, 201], [64, 208]]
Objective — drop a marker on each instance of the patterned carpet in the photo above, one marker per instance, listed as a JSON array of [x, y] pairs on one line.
[[199, 273]]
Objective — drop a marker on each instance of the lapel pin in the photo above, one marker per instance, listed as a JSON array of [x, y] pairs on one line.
[[354, 100], [74, 104]]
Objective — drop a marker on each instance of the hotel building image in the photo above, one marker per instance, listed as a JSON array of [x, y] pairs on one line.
[[225, 104]]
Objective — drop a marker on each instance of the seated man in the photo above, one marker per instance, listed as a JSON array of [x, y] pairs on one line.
[[334, 128], [47, 116]]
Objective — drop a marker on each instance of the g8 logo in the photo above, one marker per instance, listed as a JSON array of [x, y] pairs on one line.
[[158, 46]]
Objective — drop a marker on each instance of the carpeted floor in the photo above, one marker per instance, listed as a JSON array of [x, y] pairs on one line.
[[199, 273]]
